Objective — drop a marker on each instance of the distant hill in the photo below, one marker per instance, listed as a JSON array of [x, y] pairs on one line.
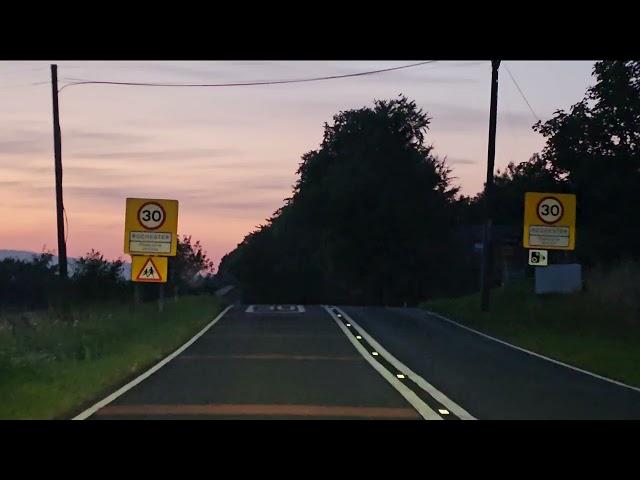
[[26, 255]]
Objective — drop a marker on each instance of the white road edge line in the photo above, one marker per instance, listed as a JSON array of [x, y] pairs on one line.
[[250, 309], [421, 382], [93, 409], [558, 362], [423, 409]]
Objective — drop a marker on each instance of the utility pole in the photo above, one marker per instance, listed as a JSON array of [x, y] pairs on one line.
[[487, 264], [62, 247]]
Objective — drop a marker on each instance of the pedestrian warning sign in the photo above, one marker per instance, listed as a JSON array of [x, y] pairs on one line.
[[149, 269]]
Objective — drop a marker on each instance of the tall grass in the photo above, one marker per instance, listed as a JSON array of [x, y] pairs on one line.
[[52, 364], [618, 287]]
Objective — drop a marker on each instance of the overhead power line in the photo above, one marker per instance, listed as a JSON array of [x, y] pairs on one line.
[[244, 84], [522, 93]]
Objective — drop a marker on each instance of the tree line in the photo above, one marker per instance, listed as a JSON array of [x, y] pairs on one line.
[[35, 284], [375, 216]]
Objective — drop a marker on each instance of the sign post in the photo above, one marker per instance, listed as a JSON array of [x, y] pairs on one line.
[[150, 237], [550, 224]]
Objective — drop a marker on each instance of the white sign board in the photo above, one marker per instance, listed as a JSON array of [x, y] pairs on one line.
[[539, 258]]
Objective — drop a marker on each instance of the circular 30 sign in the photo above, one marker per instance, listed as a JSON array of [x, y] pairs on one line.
[[151, 215], [550, 210]]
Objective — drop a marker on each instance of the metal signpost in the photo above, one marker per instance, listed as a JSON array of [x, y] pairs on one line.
[[150, 237]]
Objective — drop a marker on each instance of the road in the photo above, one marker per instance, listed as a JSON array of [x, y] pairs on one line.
[[315, 362]]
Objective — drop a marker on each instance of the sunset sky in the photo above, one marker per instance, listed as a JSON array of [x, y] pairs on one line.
[[229, 155]]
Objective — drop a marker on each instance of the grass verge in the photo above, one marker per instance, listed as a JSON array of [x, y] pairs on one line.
[[582, 329], [51, 368]]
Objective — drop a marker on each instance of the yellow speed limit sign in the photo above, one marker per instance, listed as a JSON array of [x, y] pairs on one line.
[[549, 221], [151, 227]]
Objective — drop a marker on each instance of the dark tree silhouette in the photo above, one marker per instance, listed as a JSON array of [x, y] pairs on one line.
[[189, 267], [596, 148], [370, 219]]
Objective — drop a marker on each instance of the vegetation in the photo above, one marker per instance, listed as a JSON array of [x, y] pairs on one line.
[[373, 210], [593, 150], [190, 269], [62, 343], [374, 215], [29, 285], [51, 368]]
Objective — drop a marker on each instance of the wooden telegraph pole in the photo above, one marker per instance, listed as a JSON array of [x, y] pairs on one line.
[[57, 146], [487, 267]]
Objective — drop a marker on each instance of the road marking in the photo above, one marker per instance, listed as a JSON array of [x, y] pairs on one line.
[[262, 410], [276, 308], [557, 362], [274, 356], [421, 382], [443, 411], [274, 335], [423, 409], [93, 409]]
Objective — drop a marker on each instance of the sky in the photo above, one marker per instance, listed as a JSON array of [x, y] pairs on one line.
[[229, 155]]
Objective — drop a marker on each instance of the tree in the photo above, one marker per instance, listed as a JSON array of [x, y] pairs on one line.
[[534, 175], [595, 148], [370, 219], [98, 278], [188, 268], [27, 284]]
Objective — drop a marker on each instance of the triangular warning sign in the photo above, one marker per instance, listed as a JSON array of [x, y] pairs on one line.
[[149, 272]]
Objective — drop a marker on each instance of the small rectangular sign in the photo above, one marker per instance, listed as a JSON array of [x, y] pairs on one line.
[[150, 242], [539, 258], [150, 247], [150, 237]]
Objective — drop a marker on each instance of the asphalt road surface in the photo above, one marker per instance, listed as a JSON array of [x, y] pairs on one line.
[[312, 362]]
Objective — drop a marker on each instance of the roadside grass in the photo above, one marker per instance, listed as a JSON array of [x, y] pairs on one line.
[[50, 368], [597, 330]]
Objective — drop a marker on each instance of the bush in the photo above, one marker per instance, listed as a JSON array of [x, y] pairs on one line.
[[27, 284], [619, 287], [96, 278]]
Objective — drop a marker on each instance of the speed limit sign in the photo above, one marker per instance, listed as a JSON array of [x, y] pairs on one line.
[[151, 227], [549, 221], [151, 215], [549, 210]]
